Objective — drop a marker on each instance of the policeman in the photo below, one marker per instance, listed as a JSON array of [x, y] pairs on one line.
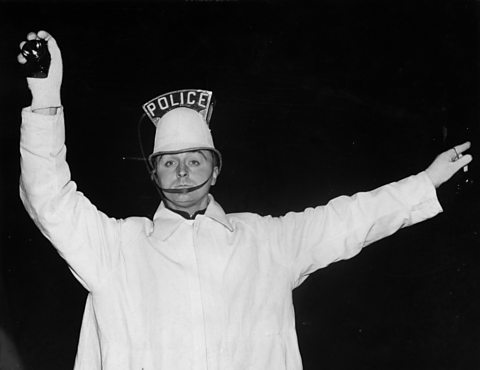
[[195, 288]]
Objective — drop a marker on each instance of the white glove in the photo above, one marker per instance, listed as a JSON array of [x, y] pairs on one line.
[[45, 91]]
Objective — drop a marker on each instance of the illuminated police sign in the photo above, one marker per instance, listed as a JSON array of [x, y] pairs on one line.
[[199, 100]]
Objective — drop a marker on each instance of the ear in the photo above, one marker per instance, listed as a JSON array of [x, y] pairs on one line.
[[214, 175]]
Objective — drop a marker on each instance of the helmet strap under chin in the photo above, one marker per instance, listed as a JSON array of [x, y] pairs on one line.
[[179, 190]]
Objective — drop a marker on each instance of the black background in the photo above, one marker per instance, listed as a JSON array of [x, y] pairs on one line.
[[312, 102]]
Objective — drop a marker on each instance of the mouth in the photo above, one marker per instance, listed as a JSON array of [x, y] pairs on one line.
[[182, 186]]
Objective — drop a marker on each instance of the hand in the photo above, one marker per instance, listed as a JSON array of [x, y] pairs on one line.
[[448, 163], [45, 91]]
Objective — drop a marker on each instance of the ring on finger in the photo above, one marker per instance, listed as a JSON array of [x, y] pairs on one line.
[[457, 155]]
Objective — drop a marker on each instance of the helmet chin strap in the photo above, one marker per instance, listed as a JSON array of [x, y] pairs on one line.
[[184, 190]]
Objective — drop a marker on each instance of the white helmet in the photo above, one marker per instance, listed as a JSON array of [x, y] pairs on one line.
[[181, 118]]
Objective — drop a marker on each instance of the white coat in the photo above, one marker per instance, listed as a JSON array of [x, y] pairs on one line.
[[214, 293]]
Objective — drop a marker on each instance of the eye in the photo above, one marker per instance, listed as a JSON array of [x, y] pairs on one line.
[[194, 163], [168, 163]]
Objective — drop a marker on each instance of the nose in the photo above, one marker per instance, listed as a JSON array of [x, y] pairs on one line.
[[182, 170]]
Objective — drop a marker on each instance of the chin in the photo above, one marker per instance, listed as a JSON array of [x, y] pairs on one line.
[[186, 200]]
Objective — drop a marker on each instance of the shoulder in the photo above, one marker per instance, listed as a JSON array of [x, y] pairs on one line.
[[136, 225], [249, 220], [269, 222], [244, 217]]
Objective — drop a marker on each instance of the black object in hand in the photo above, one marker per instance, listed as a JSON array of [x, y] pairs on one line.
[[38, 58]]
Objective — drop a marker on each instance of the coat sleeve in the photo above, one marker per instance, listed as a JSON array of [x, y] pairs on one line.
[[85, 237], [318, 236]]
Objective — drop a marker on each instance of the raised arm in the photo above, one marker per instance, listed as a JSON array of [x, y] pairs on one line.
[[85, 237]]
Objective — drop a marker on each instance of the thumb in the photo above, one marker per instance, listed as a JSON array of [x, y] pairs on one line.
[[54, 50]]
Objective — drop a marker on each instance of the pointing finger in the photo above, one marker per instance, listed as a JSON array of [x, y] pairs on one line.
[[462, 147]]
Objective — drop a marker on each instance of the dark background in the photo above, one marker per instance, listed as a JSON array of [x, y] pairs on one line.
[[312, 102]]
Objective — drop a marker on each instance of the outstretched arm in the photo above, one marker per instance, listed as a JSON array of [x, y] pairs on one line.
[[318, 236]]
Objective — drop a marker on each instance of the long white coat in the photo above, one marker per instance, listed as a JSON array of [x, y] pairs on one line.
[[214, 293]]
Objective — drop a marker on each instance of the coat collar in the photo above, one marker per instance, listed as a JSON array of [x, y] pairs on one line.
[[166, 222]]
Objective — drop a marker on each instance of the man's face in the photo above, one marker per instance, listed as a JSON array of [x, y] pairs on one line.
[[184, 170]]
